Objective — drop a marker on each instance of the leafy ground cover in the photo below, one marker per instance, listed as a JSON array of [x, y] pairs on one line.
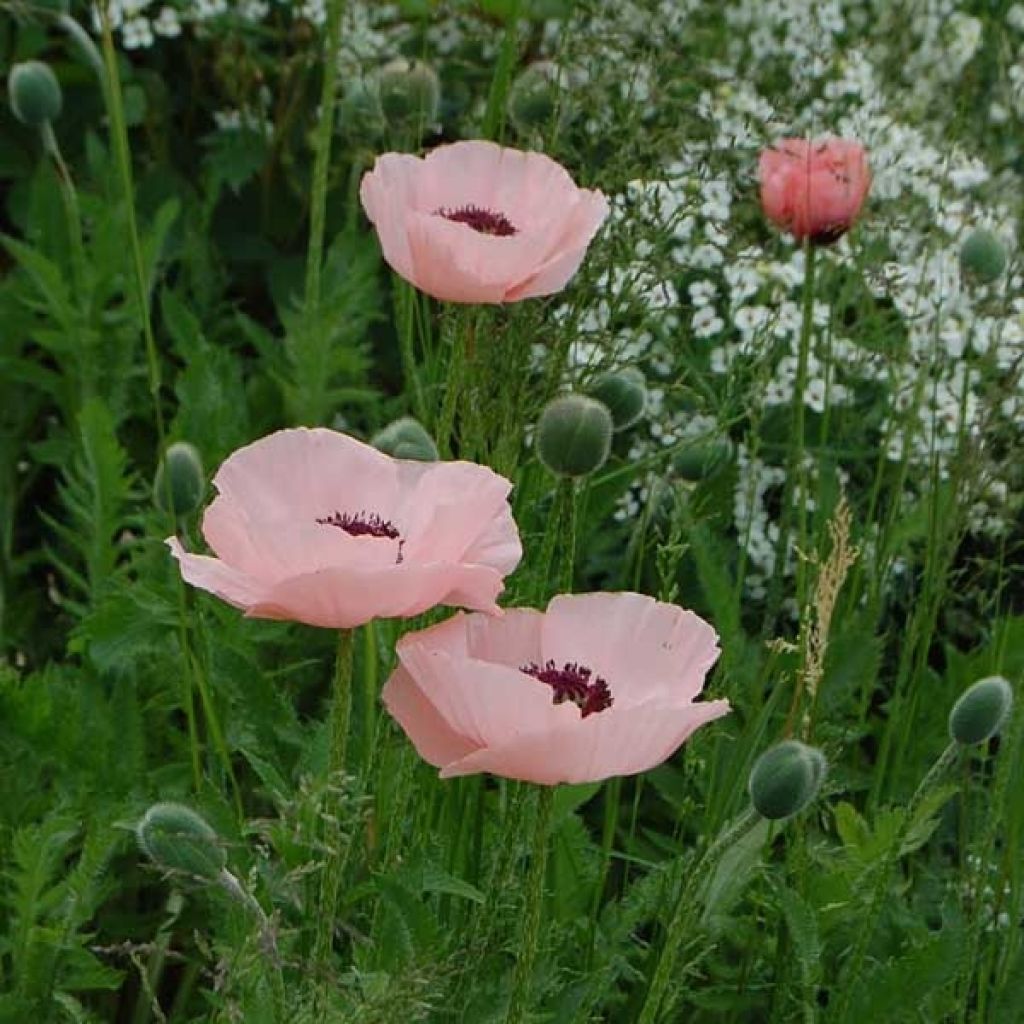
[[213, 816]]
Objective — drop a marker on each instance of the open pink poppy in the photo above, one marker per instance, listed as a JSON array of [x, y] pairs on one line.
[[475, 222], [317, 527], [596, 686], [814, 190]]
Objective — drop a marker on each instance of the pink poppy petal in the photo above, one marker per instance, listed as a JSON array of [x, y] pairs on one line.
[[434, 739], [498, 546], [642, 647], [303, 474], [385, 192], [485, 703], [347, 596], [512, 640], [214, 576], [599, 747]]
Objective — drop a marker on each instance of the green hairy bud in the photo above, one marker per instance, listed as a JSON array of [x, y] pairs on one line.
[[409, 93], [574, 435], [177, 839], [982, 256], [698, 461], [536, 98], [624, 392], [785, 779], [34, 93], [981, 711], [406, 438], [182, 468]]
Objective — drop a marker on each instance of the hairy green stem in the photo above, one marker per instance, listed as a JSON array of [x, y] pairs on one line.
[[322, 159], [519, 1002]]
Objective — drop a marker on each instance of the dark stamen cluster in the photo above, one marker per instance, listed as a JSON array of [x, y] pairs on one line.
[[364, 524], [573, 683], [486, 222]]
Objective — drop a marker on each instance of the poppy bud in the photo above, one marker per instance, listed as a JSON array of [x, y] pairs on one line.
[[409, 94], [981, 711], [34, 93], [406, 438], [982, 256], [177, 839], [535, 98], [699, 461], [624, 393], [183, 468], [785, 779], [359, 113], [574, 435]]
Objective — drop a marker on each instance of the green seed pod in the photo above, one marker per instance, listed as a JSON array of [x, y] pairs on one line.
[[785, 779], [406, 438], [409, 94], [982, 256], [981, 711], [183, 467], [34, 93], [699, 461], [536, 99], [177, 839], [624, 393], [574, 435]]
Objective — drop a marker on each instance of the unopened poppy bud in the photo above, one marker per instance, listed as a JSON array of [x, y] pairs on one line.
[[406, 438], [624, 393], [409, 93], [698, 461], [785, 779], [982, 256], [359, 113], [34, 93], [177, 839], [981, 711], [535, 99], [182, 469], [574, 435]]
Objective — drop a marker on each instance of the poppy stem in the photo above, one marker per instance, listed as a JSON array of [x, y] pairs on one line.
[[678, 927], [520, 1000], [335, 844]]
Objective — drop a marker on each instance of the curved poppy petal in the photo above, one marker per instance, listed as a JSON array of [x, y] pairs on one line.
[[213, 575]]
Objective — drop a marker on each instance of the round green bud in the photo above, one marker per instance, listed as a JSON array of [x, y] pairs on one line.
[[981, 711], [182, 468], [177, 839], [406, 438], [698, 461], [34, 93], [574, 435], [409, 94], [785, 779], [359, 113], [535, 99], [982, 256], [624, 393]]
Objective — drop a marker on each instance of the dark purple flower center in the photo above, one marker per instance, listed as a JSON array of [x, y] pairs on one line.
[[364, 524], [573, 682], [486, 222]]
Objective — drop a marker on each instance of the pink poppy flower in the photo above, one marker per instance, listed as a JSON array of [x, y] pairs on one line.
[[317, 527], [814, 190], [475, 222], [596, 686]]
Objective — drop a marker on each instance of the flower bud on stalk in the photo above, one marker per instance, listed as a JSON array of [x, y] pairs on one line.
[[981, 711], [406, 438], [698, 461], [982, 256], [535, 98], [409, 94], [624, 392], [178, 840], [785, 779], [34, 93], [574, 436], [181, 468]]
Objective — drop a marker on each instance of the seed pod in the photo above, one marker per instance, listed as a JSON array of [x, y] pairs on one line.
[[34, 93], [624, 392], [409, 94], [981, 711], [406, 438], [785, 779], [182, 466], [177, 839], [574, 435]]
